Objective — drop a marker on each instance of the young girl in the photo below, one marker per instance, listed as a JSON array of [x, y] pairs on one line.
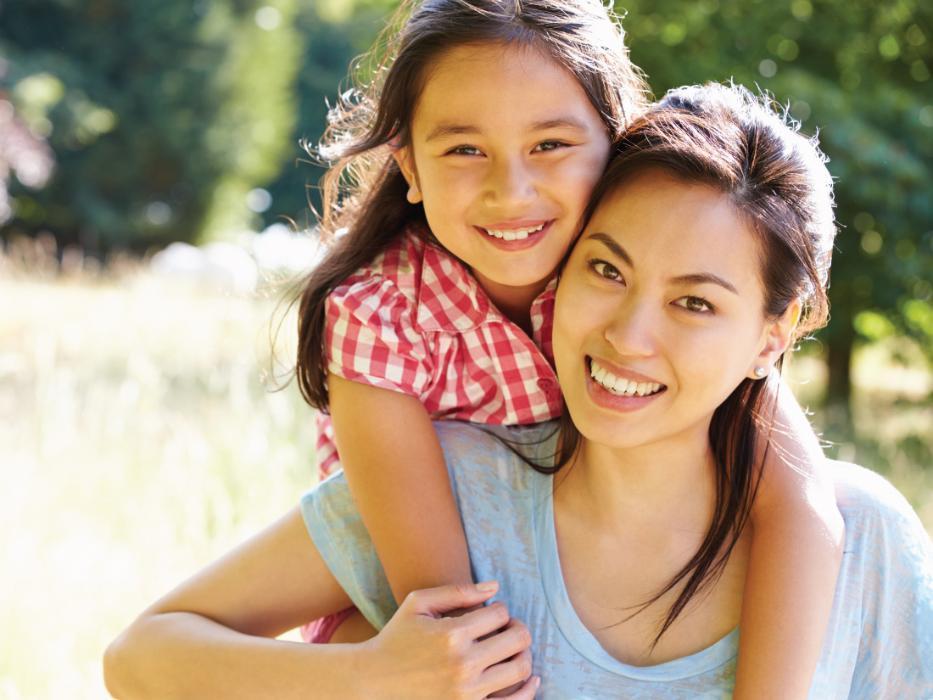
[[474, 155], [710, 239]]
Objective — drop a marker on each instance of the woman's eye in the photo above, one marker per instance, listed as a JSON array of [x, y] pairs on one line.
[[550, 145], [695, 304], [464, 151], [606, 270]]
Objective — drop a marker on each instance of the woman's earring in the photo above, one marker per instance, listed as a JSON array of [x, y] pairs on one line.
[[760, 372]]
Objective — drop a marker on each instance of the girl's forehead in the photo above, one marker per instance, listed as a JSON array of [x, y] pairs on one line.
[[493, 82]]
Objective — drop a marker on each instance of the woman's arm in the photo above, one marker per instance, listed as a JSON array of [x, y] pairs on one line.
[[797, 536], [212, 636], [395, 468]]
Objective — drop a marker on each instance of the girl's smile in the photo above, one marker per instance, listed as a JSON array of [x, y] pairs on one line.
[[505, 150]]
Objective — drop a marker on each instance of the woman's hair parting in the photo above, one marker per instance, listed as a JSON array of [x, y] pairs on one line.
[[364, 206], [745, 147]]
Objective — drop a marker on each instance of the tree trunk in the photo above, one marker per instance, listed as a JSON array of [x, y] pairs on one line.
[[839, 363]]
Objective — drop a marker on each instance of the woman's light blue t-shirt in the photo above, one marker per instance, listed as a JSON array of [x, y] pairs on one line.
[[880, 639]]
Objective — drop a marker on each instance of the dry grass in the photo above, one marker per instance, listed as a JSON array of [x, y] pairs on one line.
[[139, 441]]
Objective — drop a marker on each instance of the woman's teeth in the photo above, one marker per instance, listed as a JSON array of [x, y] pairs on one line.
[[619, 385], [515, 234]]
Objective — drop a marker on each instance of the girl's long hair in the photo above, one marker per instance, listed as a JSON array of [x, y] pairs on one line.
[[364, 206], [725, 137]]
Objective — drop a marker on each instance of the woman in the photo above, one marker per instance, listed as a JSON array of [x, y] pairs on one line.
[[705, 255]]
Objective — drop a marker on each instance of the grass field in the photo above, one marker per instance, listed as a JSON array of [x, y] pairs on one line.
[[138, 440]]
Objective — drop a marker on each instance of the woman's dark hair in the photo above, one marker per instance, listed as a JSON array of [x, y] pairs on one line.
[[364, 205], [727, 138]]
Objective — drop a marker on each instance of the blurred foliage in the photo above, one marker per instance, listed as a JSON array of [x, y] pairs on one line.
[[182, 120], [161, 115], [334, 33]]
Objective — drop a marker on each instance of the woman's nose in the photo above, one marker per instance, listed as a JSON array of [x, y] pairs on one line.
[[632, 330]]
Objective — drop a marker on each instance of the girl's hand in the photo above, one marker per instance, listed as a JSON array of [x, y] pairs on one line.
[[420, 654]]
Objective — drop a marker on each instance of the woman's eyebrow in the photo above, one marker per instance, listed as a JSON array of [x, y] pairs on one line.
[[613, 246], [704, 278], [692, 278]]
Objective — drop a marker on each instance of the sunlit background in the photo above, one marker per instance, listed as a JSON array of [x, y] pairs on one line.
[[153, 203]]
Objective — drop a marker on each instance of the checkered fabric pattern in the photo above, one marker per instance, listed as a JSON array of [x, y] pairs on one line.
[[416, 321]]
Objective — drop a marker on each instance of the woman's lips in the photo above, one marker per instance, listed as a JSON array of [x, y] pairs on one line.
[[614, 399]]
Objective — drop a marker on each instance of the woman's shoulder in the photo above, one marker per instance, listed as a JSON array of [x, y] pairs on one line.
[[864, 493], [881, 526], [495, 459]]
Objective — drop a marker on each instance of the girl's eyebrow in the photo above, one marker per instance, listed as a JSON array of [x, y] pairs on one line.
[[559, 123], [444, 130], [692, 278]]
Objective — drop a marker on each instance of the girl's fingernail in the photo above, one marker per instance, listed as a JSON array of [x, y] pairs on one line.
[[537, 682], [487, 586]]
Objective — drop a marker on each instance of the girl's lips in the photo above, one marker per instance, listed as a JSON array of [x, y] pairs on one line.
[[520, 244]]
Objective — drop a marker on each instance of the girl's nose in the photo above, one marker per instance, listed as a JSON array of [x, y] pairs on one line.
[[632, 330], [510, 185]]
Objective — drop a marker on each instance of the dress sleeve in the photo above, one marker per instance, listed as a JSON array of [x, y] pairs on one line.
[[372, 337]]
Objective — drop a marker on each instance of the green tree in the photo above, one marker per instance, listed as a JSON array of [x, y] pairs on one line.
[[334, 33], [161, 115]]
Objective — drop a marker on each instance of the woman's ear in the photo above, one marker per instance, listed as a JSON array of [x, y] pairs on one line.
[[406, 163], [777, 337]]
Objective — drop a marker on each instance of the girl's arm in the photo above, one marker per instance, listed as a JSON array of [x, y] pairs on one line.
[[212, 636], [395, 468], [796, 549]]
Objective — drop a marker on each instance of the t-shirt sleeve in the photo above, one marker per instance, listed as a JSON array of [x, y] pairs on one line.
[[895, 658], [337, 531], [372, 337]]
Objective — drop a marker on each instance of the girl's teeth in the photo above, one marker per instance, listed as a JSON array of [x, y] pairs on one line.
[[517, 234], [620, 385]]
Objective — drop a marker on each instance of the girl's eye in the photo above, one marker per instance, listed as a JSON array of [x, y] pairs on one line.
[[606, 270], [550, 146], [464, 151], [695, 304]]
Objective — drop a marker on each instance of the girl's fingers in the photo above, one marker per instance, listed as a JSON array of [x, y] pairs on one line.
[[506, 674], [437, 601], [511, 641]]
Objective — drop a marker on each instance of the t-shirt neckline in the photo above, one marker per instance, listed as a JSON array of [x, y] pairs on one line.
[[577, 634]]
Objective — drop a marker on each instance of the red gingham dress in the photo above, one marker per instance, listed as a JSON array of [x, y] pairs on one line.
[[416, 321]]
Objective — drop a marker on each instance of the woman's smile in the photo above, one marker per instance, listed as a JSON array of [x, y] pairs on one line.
[[620, 389], [660, 308]]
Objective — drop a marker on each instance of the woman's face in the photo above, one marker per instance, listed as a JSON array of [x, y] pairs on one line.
[[659, 313]]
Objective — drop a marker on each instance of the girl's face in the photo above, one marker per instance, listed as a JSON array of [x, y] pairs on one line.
[[505, 150], [659, 313]]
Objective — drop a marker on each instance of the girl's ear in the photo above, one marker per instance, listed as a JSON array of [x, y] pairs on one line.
[[406, 163], [778, 336]]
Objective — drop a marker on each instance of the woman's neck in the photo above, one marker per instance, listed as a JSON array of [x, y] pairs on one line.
[[627, 521], [669, 482]]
